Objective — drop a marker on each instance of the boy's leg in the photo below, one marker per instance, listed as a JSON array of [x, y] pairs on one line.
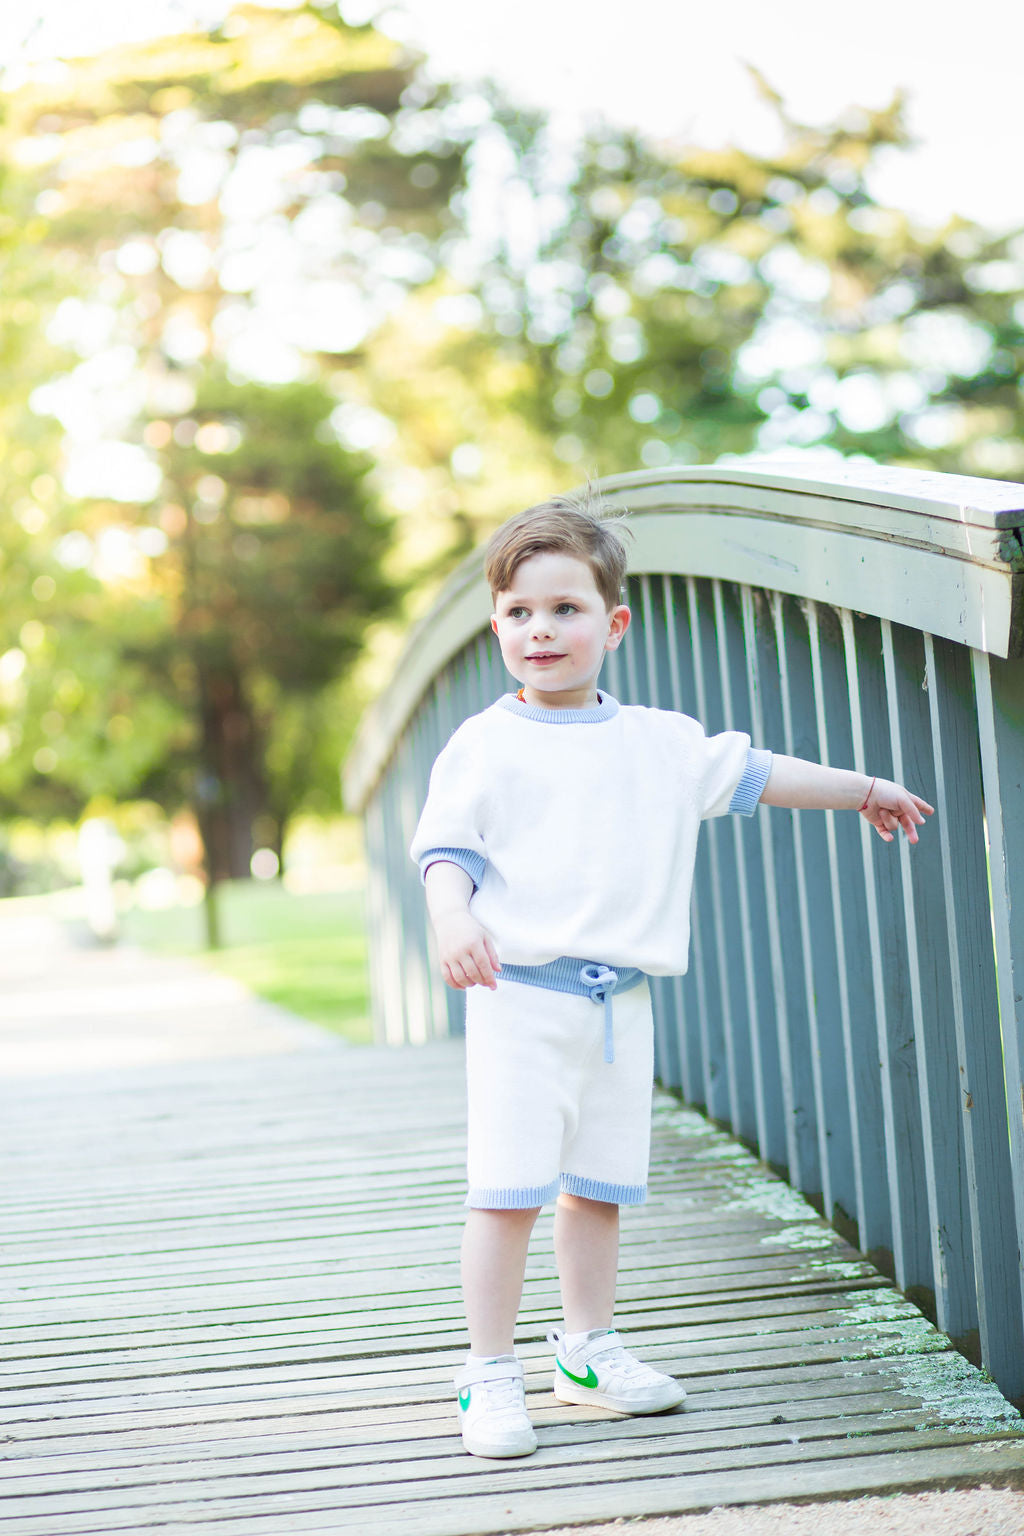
[[591, 1364], [518, 1099], [604, 1165], [492, 1401], [587, 1255], [494, 1247]]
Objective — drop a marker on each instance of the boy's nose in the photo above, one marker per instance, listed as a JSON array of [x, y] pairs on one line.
[[541, 625]]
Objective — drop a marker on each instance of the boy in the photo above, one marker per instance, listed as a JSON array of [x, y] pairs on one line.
[[557, 847]]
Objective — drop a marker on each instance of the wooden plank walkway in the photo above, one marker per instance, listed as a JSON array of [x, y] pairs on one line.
[[230, 1298]]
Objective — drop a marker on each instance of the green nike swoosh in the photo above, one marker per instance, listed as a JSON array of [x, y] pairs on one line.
[[589, 1380], [464, 1398]]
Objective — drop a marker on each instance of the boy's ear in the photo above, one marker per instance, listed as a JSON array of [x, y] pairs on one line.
[[494, 622], [618, 623]]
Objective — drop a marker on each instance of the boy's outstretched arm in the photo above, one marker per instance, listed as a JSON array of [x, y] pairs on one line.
[[466, 949], [812, 786]]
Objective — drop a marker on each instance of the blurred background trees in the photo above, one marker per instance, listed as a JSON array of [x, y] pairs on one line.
[[286, 327]]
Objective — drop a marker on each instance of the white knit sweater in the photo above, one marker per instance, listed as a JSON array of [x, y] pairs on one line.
[[579, 827]]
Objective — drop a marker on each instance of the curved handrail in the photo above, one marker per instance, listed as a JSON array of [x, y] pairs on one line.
[[936, 552]]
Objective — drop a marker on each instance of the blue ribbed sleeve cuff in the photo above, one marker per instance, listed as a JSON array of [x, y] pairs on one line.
[[750, 788], [466, 858]]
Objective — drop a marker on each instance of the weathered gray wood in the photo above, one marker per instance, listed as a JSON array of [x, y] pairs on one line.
[[185, 1371], [666, 992], [709, 918], [793, 1022], [999, 692], [163, 1462], [565, 1450], [763, 1392], [886, 935], [946, 1217], [54, 1367], [792, 1393], [682, 696], [261, 1497], [990, 1231], [770, 1069], [741, 1024], [72, 1341], [34, 1449], [815, 898], [641, 683], [657, 1495]]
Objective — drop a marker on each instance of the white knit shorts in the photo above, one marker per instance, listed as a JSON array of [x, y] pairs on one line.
[[546, 1111]]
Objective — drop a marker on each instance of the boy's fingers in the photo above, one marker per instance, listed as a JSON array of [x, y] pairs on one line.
[[473, 969], [485, 974]]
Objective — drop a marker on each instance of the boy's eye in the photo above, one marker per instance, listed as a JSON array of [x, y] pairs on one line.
[[517, 613], [566, 608]]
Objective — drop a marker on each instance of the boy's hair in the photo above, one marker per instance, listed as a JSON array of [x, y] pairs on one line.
[[564, 525]]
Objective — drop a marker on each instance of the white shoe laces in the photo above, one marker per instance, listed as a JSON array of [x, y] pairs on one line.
[[617, 1360], [503, 1396]]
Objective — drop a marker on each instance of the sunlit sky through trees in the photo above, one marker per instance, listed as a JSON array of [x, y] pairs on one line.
[[681, 70]]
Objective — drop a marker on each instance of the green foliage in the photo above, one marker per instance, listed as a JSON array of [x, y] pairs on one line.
[[273, 571], [655, 305], [176, 671], [277, 565]]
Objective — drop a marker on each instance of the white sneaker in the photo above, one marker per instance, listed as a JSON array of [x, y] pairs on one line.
[[492, 1409], [603, 1372]]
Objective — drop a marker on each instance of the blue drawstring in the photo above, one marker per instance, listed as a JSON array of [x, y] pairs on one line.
[[583, 978], [600, 982]]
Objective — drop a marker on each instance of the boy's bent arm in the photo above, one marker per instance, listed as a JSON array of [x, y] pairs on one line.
[[804, 785], [466, 950]]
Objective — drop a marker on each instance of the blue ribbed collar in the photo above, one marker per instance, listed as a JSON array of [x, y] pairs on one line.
[[590, 714]]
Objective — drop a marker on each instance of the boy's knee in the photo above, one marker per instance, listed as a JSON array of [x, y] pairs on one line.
[[591, 1207], [512, 1217]]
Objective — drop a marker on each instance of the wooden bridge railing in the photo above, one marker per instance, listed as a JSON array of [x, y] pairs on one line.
[[852, 1010]]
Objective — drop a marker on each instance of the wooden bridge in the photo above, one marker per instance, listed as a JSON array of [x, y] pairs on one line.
[[229, 1263], [230, 1296]]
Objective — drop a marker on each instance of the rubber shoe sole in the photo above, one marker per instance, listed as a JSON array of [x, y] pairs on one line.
[[523, 1445], [669, 1396]]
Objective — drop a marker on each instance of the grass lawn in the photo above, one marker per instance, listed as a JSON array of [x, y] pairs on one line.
[[306, 953]]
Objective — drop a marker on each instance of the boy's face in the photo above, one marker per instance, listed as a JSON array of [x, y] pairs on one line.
[[554, 629]]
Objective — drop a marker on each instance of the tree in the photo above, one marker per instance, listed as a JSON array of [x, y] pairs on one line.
[[183, 175], [272, 573]]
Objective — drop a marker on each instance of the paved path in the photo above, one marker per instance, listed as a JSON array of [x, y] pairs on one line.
[[229, 1283]]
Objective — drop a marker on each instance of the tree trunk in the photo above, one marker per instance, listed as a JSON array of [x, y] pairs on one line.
[[232, 791]]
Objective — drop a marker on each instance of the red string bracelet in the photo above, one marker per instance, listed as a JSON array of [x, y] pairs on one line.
[[867, 797]]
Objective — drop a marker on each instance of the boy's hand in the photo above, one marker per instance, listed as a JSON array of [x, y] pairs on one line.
[[468, 956], [889, 806]]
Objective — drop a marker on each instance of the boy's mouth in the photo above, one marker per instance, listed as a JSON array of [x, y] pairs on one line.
[[545, 656]]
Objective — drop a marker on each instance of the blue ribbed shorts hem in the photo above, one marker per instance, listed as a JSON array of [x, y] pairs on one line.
[[598, 1189], [525, 1199]]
